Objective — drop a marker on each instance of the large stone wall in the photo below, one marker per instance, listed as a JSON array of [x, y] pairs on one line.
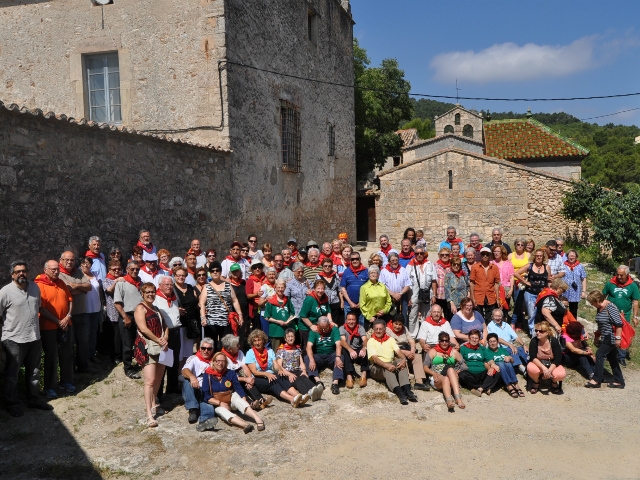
[[443, 142], [466, 118], [486, 193], [565, 168]]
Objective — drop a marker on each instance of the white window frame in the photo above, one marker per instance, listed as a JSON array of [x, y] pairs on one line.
[[107, 88]]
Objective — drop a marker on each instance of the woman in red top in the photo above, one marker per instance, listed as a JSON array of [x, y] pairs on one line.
[[153, 336]]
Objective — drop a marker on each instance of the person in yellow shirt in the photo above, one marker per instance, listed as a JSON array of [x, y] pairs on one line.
[[375, 300]]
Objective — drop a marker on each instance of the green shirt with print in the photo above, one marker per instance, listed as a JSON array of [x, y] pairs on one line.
[[324, 345]]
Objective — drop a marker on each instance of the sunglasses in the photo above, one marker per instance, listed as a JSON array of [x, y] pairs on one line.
[[355, 259], [541, 331], [419, 253], [252, 241], [133, 269], [206, 349], [215, 270], [444, 341], [200, 275], [212, 255], [484, 253], [444, 254], [244, 251]]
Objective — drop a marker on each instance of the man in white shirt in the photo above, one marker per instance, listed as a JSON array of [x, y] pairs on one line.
[[150, 271], [193, 372], [234, 257], [423, 277], [167, 302], [431, 327], [201, 258]]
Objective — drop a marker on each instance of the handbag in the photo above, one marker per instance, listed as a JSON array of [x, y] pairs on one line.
[[232, 317], [424, 294], [223, 396]]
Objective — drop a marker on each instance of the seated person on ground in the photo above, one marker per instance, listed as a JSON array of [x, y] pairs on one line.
[[324, 350], [440, 363], [193, 371], [545, 353], [290, 364], [354, 348], [577, 353], [500, 361], [431, 327], [509, 339], [407, 345], [477, 377]]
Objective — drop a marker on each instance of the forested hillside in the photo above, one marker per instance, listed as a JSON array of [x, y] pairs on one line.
[[614, 159]]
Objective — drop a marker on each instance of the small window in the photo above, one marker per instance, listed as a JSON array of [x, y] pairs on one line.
[[457, 119], [396, 161], [332, 141], [448, 129], [467, 131], [290, 136], [450, 179], [312, 26], [103, 88]]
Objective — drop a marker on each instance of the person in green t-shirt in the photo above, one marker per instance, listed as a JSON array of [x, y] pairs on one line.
[[314, 306], [280, 314], [623, 292], [477, 378], [499, 360], [324, 350]]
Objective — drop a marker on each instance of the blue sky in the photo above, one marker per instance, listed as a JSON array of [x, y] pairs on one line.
[[512, 49]]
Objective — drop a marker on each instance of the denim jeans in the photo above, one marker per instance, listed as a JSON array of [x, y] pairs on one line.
[[507, 373], [517, 306], [520, 357], [18, 354], [324, 361], [55, 352], [606, 351], [192, 396], [584, 361], [530, 305]]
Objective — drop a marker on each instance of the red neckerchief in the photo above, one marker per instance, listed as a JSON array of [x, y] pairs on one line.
[[275, 301], [381, 340], [135, 283], [166, 268], [406, 256], [472, 347], [233, 358], [572, 265], [257, 279], [262, 358], [328, 276], [389, 268], [352, 333], [560, 252], [218, 375], [229, 257], [431, 321], [90, 254], [45, 280], [386, 250], [201, 358], [148, 249], [196, 252], [235, 283], [446, 352], [459, 273], [336, 258], [390, 327], [192, 272], [111, 277], [444, 265], [286, 264], [146, 270], [477, 247], [323, 256], [65, 271], [267, 282], [312, 265], [416, 262], [294, 254], [326, 332], [321, 300], [286, 346], [170, 299], [546, 292], [614, 280], [356, 272]]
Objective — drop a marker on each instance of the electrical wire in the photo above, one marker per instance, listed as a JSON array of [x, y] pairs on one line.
[[487, 99], [611, 114]]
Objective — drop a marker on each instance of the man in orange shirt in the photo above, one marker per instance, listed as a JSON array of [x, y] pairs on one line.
[[56, 330], [485, 285]]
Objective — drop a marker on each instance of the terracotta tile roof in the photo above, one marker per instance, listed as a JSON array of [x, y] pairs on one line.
[[408, 136], [527, 139], [51, 116]]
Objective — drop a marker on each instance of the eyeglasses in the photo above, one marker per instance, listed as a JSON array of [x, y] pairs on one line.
[[444, 254], [200, 275], [206, 349], [485, 253], [222, 360], [355, 259], [519, 244], [150, 292], [252, 241], [541, 331], [552, 249], [419, 253], [18, 272], [133, 269], [444, 341], [212, 255], [177, 264], [245, 251], [215, 270]]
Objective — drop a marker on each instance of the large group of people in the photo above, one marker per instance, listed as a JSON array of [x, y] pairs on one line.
[[232, 336]]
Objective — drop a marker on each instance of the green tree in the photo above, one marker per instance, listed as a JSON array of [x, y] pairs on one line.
[[423, 127], [381, 103]]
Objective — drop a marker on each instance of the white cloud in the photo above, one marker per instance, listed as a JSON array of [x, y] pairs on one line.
[[508, 62]]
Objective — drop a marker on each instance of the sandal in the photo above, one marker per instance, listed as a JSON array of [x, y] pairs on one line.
[[151, 423], [534, 388], [520, 392], [512, 391], [255, 405], [556, 388], [248, 428], [477, 393], [260, 426], [450, 403], [459, 402], [157, 410]]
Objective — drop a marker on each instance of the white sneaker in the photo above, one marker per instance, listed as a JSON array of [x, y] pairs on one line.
[[305, 398], [295, 403]]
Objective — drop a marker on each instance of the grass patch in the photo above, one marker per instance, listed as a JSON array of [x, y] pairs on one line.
[[369, 398]]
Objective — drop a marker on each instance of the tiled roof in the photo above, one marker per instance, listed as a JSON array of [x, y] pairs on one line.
[[408, 136], [527, 139], [51, 116]]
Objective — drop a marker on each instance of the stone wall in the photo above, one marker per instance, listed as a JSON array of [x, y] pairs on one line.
[[466, 118], [443, 142], [565, 168], [486, 193]]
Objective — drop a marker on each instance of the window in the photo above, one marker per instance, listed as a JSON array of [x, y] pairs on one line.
[[312, 26], [448, 129], [290, 136], [396, 161], [332, 141], [457, 119], [103, 88], [467, 131], [450, 179]]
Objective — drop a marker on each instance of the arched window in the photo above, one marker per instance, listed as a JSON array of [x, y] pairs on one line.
[[457, 119], [448, 129], [467, 131]]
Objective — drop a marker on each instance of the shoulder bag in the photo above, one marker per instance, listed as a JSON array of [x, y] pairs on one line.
[[424, 294]]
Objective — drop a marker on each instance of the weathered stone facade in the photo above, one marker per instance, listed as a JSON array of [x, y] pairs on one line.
[[170, 55], [457, 121], [485, 193], [423, 148]]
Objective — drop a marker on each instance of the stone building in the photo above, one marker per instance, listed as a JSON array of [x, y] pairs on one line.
[[246, 77], [476, 175]]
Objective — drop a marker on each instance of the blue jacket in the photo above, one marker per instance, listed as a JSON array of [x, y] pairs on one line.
[[353, 282], [211, 385]]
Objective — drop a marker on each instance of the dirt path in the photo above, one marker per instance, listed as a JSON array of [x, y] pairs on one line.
[[357, 434]]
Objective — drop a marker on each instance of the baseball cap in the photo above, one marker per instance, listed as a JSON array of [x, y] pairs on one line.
[[292, 240], [485, 249], [234, 268], [149, 257]]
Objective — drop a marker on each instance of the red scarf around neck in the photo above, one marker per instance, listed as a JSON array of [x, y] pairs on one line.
[[459, 273], [390, 327], [335, 258], [234, 282], [312, 265], [431, 321], [443, 265], [381, 340], [230, 258], [352, 333], [477, 247], [262, 358], [45, 280], [446, 352], [111, 277], [170, 299], [276, 302], [360, 268], [146, 270], [389, 268], [406, 256], [286, 346], [90, 254], [192, 272], [572, 265], [286, 264], [135, 283], [201, 358], [416, 262], [147, 249], [472, 347], [546, 292], [386, 250], [233, 358], [328, 276], [65, 271], [320, 300], [216, 374], [614, 280], [257, 279]]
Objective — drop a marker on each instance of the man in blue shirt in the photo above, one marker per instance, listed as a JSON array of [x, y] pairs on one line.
[[352, 279], [451, 239]]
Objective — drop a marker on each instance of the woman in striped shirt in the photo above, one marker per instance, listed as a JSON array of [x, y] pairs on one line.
[[608, 320]]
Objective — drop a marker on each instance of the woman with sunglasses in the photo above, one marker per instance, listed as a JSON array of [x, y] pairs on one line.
[[211, 257], [244, 253], [216, 302], [110, 330], [201, 279], [153, 337], [440, 364], [545, 353], [443, 266], [456, 285], [537, 277], [187, 304], [116, 254], [254, 253]]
